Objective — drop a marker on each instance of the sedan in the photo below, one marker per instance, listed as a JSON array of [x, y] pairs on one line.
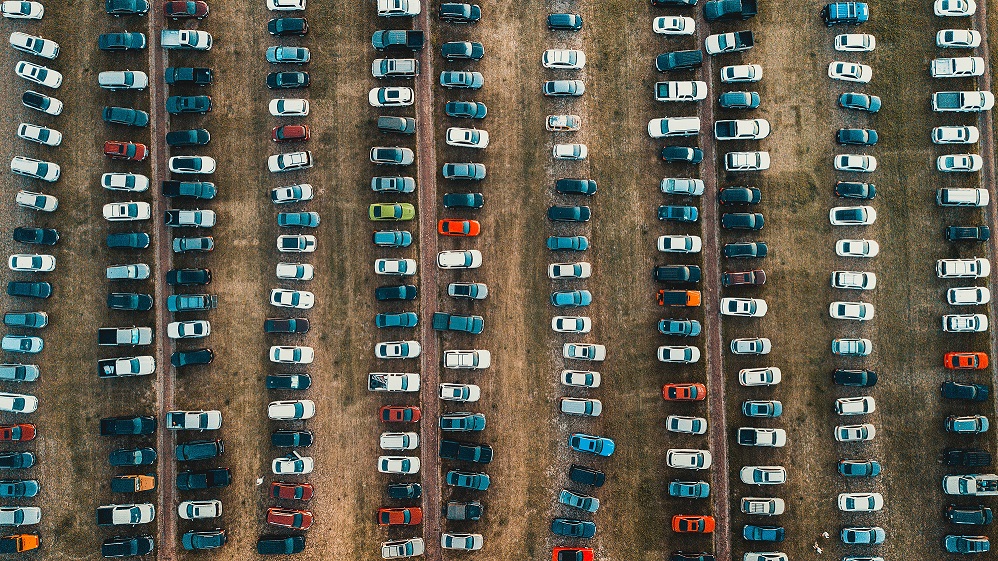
[[858, 137], [959, 163], [133, 182], [289, 133], [391, 97], [40, 135], [289, 107], [741, 73], [565, 59], [455, 227], [850, 72], [852, 216], [739, 100], [463, 542], [854, 280], [391, 211], [752, 346], [855, 433], [857, 248], [674, 25], [874, 535], [292, 355], [15, 402], [855, 42], [35, 169], [579, 351], [38, 74], [397, 349], [570, 151], [750, 377], [462, 50], [298, 299], [572, 88], [282, 54], [127, 211], [458, 79], [182, 9], [681, 186], [954, 8], [958, 39], [301, 409], [581, 270], [295, 271], [287, 80], [855, 162], [859, 311], [188, 329], [392, 156], [680, 244], [192, 164], [751, 532], [31, 262], [695, 524], [763, 409], [966, 545], [459, 259], [855, 190], [466, 109], [686, 425], [763, 475], [293, 463], [571, 324], [15, 9], [860, 101], [859, 468], [39, 236], [405, 465], [467, 138], [682, 354], [598, 445], [747, 307], [682, 154], [852, 347], [571, 298]]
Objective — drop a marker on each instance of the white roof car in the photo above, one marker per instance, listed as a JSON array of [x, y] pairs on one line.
[[763, 475], [581, 406], [580, 378], [290, 161], [38, 74], [198, 510], [957, 67], [855, 433], [959, 163], [855, 162], [850, 72], [750, 377], [674, 126], [741, 73], [570, 151], [968, 296], [298, 299], [855, 42], [468, 138], [285, 5], [123, 80], [15, 9], [751, 346], [459, 259], [958, 38], [460, 392], [746, 161], [38, 134], [126, 211], [31, 262], [289, 107], [674, 25], [34, 45], [567, 59], [399, 440], [292, 355], [35, 169], [861, 405], [860, 502], [571, 324], [965, 323], [398, 464], [390, 97], [583, 351], [680, 244], [192, 329], [954, 8], [688, 459], [192, 164], [854, 280], [292, 463], [955, 135], [852, 215], [18, 403], [747, 307], [134, 182], [859, 311], [857, 248], [397, 349], [682, 186], [581, 270], [401, 267], [36, 201], [20, 515], [295, 271], [742, 129], [680, 354], [686, 425], [291, 410], [476, 359]]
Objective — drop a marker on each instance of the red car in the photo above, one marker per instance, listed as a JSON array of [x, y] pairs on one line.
[[684, 392], [289, 133], [291, 491], [965, 361], [572, 554], [125, 150], [399, 414], [17, 433], [452, 227], [408, 516], [178, 9], [692, 524], [742, 278], [290, 518]]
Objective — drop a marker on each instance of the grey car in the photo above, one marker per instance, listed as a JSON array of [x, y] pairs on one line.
[[460, 79], [462, 50], [404, 125], [393, 184], [392, 155], [559, 88]]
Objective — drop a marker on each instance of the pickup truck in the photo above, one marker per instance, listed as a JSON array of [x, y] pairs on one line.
[[411, 39], [188, 75], [956, 67], [116, 426], [978, 485], [185, 39], [679, 298], [133, 483], [466, 451], [136, 271], [749, 436], [18, 543], [463, 511], [680, 91], [729, 9], [126, 366], [450, 322], [395, 68], [194, 420], [677, 273], [851, 13], [679, 60], [191, 302], [125, 515], [729, 42], [111, 336], [964, 101], [392, 382]]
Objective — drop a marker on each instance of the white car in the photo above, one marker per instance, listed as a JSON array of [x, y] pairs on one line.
[[858, 42], [20, 515], [679, 354], [460, 392], [751, 377], [291, 410], [764, 506], [134, 182], [751, 346], [35, 169], [40, 135], [859, 311], [32, 44], [955, 135], [965, 323], [36, 201], [18, 403], [412, 547], [399, 440], [856, 162], [673, 25], [954, 8], [973, 268], [398, 8], [405, 465], [31, 263], [680, 244], [741, 73], [854, 280], [400, 267], [686, 425], [581, 407], [666, 127], [763, 475], [295, 271], [15, 9], [957, 67], [289, 161], [855, 433], [192, 164], [682, 186], [746, 161], [293, 463], [127, 211], [289, 107], [683, 458], [199, 510], [467, 138], [565, 59], [580, 378], [968, 296], [852, 347], [297, 193], [476, 359], [390, 97], [584, 351], [571, 324], [193, 329], [297, 299], [742, 129], [860, 502], [459, 259], [38, 74], [285, 5], [581, 270], [292, 355], [857, 248], [570, 151], [397, 349], [299, 243], [850, 72], [861, 405], [746, 307], [958, 39], [959, 163], [852, 215]]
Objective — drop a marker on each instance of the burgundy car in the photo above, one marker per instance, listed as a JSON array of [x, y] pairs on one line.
[[125, 150], [178, 9], [741, 278], [289, 518], [291, 491], [289, 133]]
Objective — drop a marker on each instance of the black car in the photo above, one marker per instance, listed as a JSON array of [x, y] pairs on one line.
[[188, 358], [573, 528], [677, 273], [203, 479], [466, 109], [680, 3], [188, 277], [586, 476], [404, 125], [280, 545], [29, 289], [16, 460], [290, 325], [298, 219], [198, 76], [739, 196], [859, 137], [462, 50], [739, 100], [199, 450], [460, 13], [286, 80], [126, 7], [968, 233], [131, 240], [292, 438], [132, 457], [967, 457], [190, 137], [404, 490], [690, 556], [463, 200], [131, 301], [967, 392], [682, 154], [177, 104], [211, 539], [121, 41], [127, 546], [569, 213], [125, 116], [969, 514], [745, 250], [196, 189], [40, 236], [130, 425], [396, 292], [288, 381], [573, 186], [742, 221], [855, 190], [287, 26], [564, 22], [857, 378]]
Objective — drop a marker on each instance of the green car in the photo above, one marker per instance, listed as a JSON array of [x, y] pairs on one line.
[[392, 211]]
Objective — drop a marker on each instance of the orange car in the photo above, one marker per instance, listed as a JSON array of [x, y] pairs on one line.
[[409, 516], [399, 414], [19, 542], [290, 518], [572, 554], [692, 524], [121, 150], [684, 392], [965, 361], [18, 433], [452, 227]]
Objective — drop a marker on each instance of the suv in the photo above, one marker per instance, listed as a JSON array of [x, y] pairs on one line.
[[586, 475], [404, 125], [460, 13], [199, 450], [280, 545]]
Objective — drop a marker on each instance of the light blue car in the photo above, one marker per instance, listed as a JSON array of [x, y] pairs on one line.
[[598, 445]]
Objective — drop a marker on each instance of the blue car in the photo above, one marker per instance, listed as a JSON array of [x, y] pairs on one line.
[[18, 488], [468, 480], [768, 409], [679, 327], [576, 243], [406, 319], [755, 533], [393, 238], [874, 535], [689, 489], [859, 468], [739, 100], [678, 213], [598, 445], [571, 298]]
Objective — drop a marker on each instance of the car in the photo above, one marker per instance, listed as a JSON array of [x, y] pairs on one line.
[[580, 378], [391, 211], [685, 425], [29, 289], [573, 528], [681, 186], [407, 319], [190, 137], [118, 8], [280, 545], [679, 327], [132, 457], [874, 535], [298, 219], [127, 546], [688, 459], [292, 491], [850, 72], [974, 424], [465, 542], [763, 475], [570, 151], [598, 445], [392, 238], [291, 438], [673, 25], [747, 307], [192, 164], [860, 101], [569, 213], [855, 190], [466, 109], [38, 74], [979, 515], [460, 79], [131, 182], [467, 138], [575, 243], [859, 137], [392, 156], [765, 409], [397, 349], [405, 516], [739, 100], [203, 479], [742, 221], [289, 107], [770, 376], [956, 135], [689, 489], [298, 299], [751, 346], [459, 259], [855, 433], [571, 298], [684, 392], [189, 218], [404, 490], [855, 162], [857, 248], [462, 50], [398, 464], [859, 468], [39, 135], [289, 325], [455, 227], [673, 126], [966, 544], [293, 463], [188, 277], [751, 532], [412, 547], [580, 351], [564, 59], [854, 280], [967, 392], [963, 268], [15, 402], [291, 354], [285, 5], [560, 88], [35, 169], [563, 123], [581, 270], [855, 405], [285, 54], [564, 22], [739, 196], [686, 154], [856, 378], [121, 41], [452, 12], [852, 216], [954, 8], [22, 10], [127, 211], [459, 392], [126, 150], [855, 42], [403, 125], [741, 73], [399, 292], [183, 245], [188, 329], [180, 104], [959, 163], [198, 541], [16, 460], [297, 193], [390, 97], [289, 161], [195, 189], [114, 80], [859, 311], [472, 201], [680, 354], [183, 9], [571, 324], [299, 409], [968, 295], [958, 38], [288, 381], [31, 262], [36, 236], [41, 102]]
